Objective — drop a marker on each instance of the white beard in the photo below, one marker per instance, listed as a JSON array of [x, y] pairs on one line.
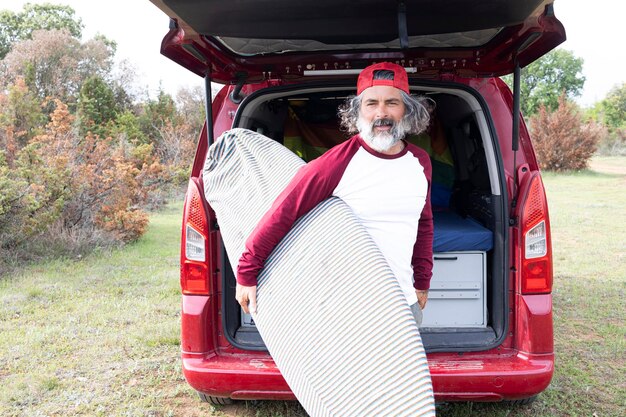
[[382, 141]]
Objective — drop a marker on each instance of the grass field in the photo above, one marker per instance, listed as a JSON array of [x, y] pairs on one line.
[[99, 336]]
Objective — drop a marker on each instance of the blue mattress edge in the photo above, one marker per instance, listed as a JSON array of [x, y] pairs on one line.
[[455, 233]]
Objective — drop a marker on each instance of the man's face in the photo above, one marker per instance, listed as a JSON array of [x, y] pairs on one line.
[[381, 117]]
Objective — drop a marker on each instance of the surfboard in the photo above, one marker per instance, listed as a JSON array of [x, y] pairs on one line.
[[329, 309]]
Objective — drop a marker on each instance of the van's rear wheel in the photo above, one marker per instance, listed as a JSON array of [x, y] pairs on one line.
[[524, 401], [215, 400]]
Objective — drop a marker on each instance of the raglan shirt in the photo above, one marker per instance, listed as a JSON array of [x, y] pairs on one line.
[[390, 194]]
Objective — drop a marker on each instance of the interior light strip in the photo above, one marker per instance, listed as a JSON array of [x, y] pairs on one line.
[[410, 70]]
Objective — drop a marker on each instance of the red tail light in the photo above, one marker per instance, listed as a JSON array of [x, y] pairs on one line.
[[194, 271], [536, 244]]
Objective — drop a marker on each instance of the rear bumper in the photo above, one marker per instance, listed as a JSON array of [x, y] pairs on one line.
[[243, 377], [470, 377], [490, 377]]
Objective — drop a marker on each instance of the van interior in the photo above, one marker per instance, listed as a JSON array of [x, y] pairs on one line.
[[468, 298]]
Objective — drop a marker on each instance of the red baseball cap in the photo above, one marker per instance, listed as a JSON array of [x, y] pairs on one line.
[[366, 77]]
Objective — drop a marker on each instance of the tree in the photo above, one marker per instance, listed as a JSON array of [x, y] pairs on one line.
[[96, 106], [613, 107], [190, 104], [15, 27], [545, 80], [56, 64], [20, 118], [157, 114], [612, 112], [127, 128]]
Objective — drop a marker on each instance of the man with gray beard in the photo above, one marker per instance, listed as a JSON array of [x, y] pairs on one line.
[[384, 179]]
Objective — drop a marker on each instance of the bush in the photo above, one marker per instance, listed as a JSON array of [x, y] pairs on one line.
[[109, 178], [562, 141], [613, 144], [79, 171], [64, 187], [33, 195]]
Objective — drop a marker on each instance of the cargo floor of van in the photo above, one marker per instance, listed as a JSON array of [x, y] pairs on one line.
[[468, 295]]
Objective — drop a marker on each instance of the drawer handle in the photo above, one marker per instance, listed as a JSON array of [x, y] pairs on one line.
[[450, 258]]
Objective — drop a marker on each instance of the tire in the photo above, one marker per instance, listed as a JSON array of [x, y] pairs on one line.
[[215, 400], [524, 401]]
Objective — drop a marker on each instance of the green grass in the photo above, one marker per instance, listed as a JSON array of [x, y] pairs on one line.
[[99, 336]]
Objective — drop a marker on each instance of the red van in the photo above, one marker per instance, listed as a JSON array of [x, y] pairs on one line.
[[285, 67]]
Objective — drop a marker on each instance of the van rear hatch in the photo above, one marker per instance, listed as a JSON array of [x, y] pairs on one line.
[[260, 39]]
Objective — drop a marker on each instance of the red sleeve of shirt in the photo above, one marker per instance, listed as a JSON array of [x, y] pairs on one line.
[[312, 184], [423, 249]]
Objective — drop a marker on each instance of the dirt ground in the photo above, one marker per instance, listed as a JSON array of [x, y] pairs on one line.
[[608, 165]]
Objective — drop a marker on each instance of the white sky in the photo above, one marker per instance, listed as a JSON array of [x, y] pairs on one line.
[[595, 32]]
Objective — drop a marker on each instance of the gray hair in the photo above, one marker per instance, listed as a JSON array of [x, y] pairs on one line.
[[416, 116]]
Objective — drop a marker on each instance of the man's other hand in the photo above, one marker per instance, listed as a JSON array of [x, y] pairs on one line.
[[422, 297], [246, 297]]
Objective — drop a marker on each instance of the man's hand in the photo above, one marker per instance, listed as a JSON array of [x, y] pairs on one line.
[[422, 297], [245, 295]]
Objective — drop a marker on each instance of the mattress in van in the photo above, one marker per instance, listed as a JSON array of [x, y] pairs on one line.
[[454, 233]]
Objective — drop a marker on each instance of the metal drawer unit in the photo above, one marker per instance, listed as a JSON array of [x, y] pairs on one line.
[[457, 296]]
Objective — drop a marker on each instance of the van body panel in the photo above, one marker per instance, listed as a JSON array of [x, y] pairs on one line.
[[485, 376], [520, 366], [512, 357]]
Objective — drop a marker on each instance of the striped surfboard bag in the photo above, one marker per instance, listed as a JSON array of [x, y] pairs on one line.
[[329, 309]]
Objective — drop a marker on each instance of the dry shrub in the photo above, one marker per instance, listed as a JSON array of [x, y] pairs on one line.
[[110, 179], [177, 148], [76, 183], [134, 174], [126, 225], [54, 242], [561, 139]]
